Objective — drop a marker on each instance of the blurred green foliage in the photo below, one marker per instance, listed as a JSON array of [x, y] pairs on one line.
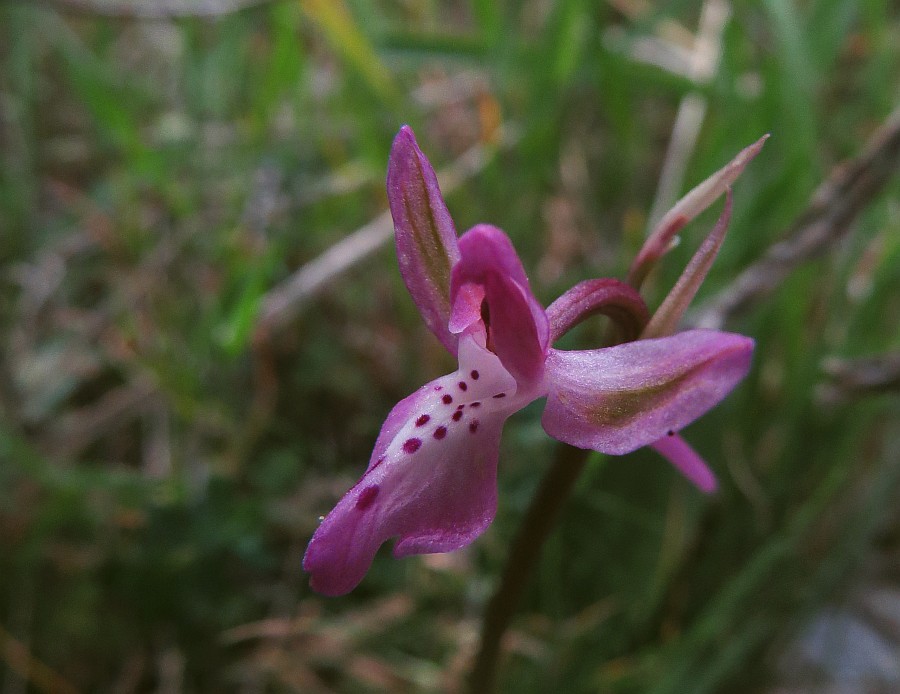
[[163, 463]]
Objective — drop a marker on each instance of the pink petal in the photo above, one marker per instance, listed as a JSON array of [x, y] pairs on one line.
[[432, 479], [518, 330], [685, 459], [617, 399], [424, 233]]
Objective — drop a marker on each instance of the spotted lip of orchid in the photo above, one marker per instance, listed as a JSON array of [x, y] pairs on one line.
[[431, 481]]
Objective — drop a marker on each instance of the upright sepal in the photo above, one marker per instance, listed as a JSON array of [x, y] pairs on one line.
[[665, 319], [698, 199], [424, 232]]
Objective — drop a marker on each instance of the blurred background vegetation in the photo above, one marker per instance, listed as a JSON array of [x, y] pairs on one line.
[[171, 433]]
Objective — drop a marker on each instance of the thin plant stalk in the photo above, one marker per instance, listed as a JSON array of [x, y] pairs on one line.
[[539, 520]]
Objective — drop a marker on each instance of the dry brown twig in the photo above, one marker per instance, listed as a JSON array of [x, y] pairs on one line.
[[74, 432], [849, 379], [20, 660], [158, 9], [703, 62], [832, 209]]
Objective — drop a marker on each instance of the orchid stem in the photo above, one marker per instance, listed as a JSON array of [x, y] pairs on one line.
[[523, 557]]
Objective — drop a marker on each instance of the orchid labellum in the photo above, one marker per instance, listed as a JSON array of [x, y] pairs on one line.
[[432, 478]]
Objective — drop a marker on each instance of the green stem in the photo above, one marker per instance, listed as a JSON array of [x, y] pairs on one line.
[[523, 557]]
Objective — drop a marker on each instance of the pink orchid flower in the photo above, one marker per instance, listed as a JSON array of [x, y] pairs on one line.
[[432, 478]]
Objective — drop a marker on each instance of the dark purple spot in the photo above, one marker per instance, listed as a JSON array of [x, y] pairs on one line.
[[423, 420], [500, 395], [457, 416], [463, 386], [473, 426], [670, 433], [412, 445], [439, 387], [475, 404], [447, 399], [459, 407], [366, 497], [440, 433], [475, 375]]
